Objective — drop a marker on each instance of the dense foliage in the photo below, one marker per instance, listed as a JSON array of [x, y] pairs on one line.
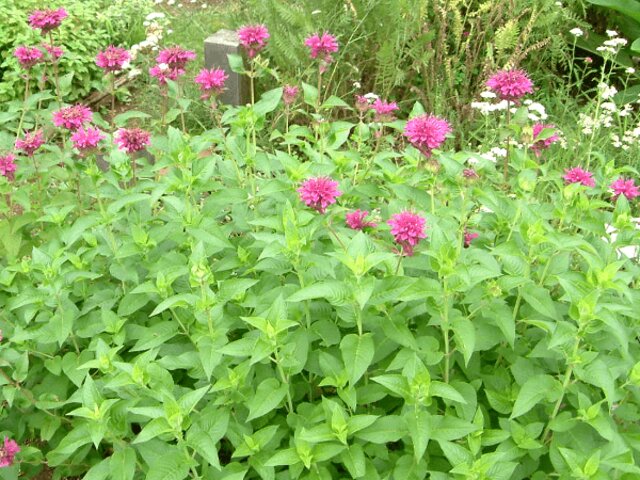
[[312, 288]]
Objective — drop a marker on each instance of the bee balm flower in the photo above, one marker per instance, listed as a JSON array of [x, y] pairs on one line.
[[28, 56], [578, 175], [211, 81], [131, 139], [72, 117], [426, 132], [510, 85], [253, 38], [7, 452], [31, 142], [626, 187], [175, 57], [289, 94], [356, 220], [86, 139], [47, 20], [384, 110], [542, 144], [407, 229], [7, 165], [322, 46], [112, 59], [318, 193]]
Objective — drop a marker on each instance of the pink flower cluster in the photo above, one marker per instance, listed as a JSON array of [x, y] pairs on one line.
[[47, 20], [8, 165], [132, 139], [171, 63], [54, 51], [73, 117], [31, 142], [211, 81], [289, 94], [427, 132], [407, 229], [253, 38], [112, 59], [318, 193], [469, 237], [578, 175], [28, 56], [322, 46], [626, 187], [8, 452], [384, 111], [356, 220], [539, 145], [86, 139], [510, 85]]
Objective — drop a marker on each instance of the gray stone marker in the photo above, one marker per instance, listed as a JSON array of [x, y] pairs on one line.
[[216, 48]]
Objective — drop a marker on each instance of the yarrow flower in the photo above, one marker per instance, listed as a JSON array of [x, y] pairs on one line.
[[175, 57], [510, 85], [28, 56], [31, 142], [322, 46], [7, 165], [47, 20], [289, 94], [253, 38], [407, 229], [8, 452], [426, 132], [576, 32], [131, 139], [356, 220], [112, 59], [539, 145], [469, 237], [578, 175], [211, 81], [164, 72], [73, 117], [384, 110], [86, 139], [318, 193], [626, 187]]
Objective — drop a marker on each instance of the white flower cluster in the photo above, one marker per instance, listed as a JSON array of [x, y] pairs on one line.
[[535, 110], [576, 32], [155, 23], [486, 108], [612, 45], [630, 138], [492, 155], [606, 91]]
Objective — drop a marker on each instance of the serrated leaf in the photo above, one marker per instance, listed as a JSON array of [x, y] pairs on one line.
[[268, 397], [357, 354], [531, 393], [123, 464]]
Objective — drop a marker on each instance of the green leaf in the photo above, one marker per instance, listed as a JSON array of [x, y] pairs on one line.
[[532, 392], [443, 390], [357, 354], [465, 337], [155, 336], [155, 427], [540, 299], [173, 465], [99, 471], [269, 395], [236, 63], [180, 300], [418, 423], [332, 102], [310, 94], [354, 461], [384, 430], [268, 102], [284, 457], [123, 464], [121, 119], [337, 293], [630, 8]]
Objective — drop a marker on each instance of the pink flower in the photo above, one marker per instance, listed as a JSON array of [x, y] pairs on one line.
[[427, 132], [7, 165], [322, 46], [626, 187], [86, 139], [112, 59], [8, 452], [470, 173], [253, 38], [73, 117], [163, 73], [47, 20], [469, 237], [132, 139], [290, 92], [384, 110], [510, 85], [588, 60], [578, 175], [542, 144], [362, 103], [355, 220], [211, 81], [31, 142], [28, 56], [175, 57], [407, 229], [54, 51], [318, 193]]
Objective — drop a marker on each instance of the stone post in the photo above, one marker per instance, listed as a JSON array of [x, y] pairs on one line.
[[216, 48]]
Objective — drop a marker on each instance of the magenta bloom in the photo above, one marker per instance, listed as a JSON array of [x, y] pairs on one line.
[[47, 20], [469, 237], [384, 110], [28, 56], [626, 187], [132, 139], [7, 452], [542, 144], [73, 117], [86, 139], [356, 220], [253, 38], [427, 132], [470, 173], [211, 81], [362, 103], [407, 229], [7, 165], [510, 85], [54, 51], [163, 73], [290, 92], [318, 193], [175, 57], [112, 59], [31, 142], [322, 46], [578, 175]]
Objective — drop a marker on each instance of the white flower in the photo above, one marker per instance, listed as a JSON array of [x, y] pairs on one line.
[[576, 32], [371, 96], [533, 117], [609, 106], [169, 32], [499, 151], [204, 5], [612, 33], [163, 66], [154, 15], [357, 85], [607, 91], [630, 70], [488, 95], [316, 12], [171, 2]]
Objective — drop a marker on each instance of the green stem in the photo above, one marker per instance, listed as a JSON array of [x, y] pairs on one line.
[[445, 331]]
